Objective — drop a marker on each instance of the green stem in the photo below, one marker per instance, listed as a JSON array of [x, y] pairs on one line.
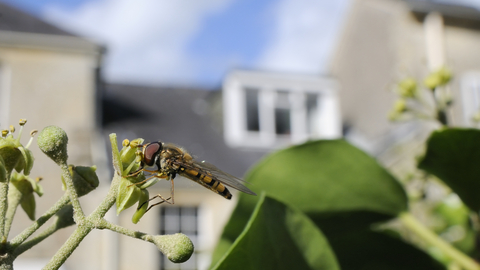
[[78, 214], [84, 228], [14, 198], [109, 200], [34, 241], [40, 221], [432, 239], [104, 224], [68, 247], [442, 117], [3, 209]]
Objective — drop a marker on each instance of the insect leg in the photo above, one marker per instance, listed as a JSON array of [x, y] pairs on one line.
[[154, 197], [136, 172], [144, 181], [172, 189], [141, 169]]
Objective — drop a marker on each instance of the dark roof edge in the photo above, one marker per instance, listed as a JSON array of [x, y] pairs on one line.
[[447, 9]]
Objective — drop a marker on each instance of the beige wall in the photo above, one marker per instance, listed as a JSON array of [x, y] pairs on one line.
[[381, 43], [49, 86]]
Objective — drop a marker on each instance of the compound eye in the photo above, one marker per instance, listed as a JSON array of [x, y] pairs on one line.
[[150, 151]]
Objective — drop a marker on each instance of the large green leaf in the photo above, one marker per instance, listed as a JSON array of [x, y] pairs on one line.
[[338, 186], [453, 155], [370, 250], [279, 237]]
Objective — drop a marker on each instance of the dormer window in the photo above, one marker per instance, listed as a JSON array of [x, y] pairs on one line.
[[263, 110]]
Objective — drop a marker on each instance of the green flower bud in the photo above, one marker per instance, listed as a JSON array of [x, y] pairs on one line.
[[438, 78], [408, 88], [64, 217], [177, 247], [128, 156], [26, 186], [400, 106], [3, 170], [453, 211], [445, 75], [53, 140], [116, 160], [26, 162], [128, 195], [142, 206], [432, 81], [28, 204], [10, 154], [84, 179]]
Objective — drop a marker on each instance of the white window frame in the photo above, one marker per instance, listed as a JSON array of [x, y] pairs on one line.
[[470, 89], [298, 86]]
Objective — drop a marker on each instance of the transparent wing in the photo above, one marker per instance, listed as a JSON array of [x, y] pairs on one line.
[[217, 174]]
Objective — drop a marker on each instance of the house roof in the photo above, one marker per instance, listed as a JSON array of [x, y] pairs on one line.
[[188, 117], [20, 29], [451, 9], [12, 19]]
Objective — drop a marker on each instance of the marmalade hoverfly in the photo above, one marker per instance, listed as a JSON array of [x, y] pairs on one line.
[[172, 160]]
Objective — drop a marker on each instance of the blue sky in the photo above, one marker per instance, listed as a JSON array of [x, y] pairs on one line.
[[196, 42]]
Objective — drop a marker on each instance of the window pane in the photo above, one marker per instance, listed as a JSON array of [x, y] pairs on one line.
[[282, 112], [312, 109], [282, 121], [175, 219], [188, 220], [251, 97]]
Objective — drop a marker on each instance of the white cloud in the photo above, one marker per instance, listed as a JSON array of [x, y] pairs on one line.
[[146, 39], [304, 35]]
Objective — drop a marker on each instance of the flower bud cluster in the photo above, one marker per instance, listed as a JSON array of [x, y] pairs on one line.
[[412, 102], [13, 155], [132, 187], [16, 162]]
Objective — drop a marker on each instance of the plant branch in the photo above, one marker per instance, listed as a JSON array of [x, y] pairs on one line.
[[431, 238], [78, 214], [109, 200], [37, 239], [3, 209], [104, 224], [14, 199], [89, 223], [19, 239], [68, 247]]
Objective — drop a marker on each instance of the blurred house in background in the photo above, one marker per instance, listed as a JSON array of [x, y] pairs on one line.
[[49, 77], [190, 118], [385, 41], [255, 113]]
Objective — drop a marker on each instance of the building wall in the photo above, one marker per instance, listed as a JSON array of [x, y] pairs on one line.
[[366, 64], [49, 86], [383, 42]]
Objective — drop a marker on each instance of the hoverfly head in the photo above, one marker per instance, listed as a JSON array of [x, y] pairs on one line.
[[151, 153]]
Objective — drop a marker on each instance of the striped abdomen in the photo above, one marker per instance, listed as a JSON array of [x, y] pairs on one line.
[[206, 181]]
